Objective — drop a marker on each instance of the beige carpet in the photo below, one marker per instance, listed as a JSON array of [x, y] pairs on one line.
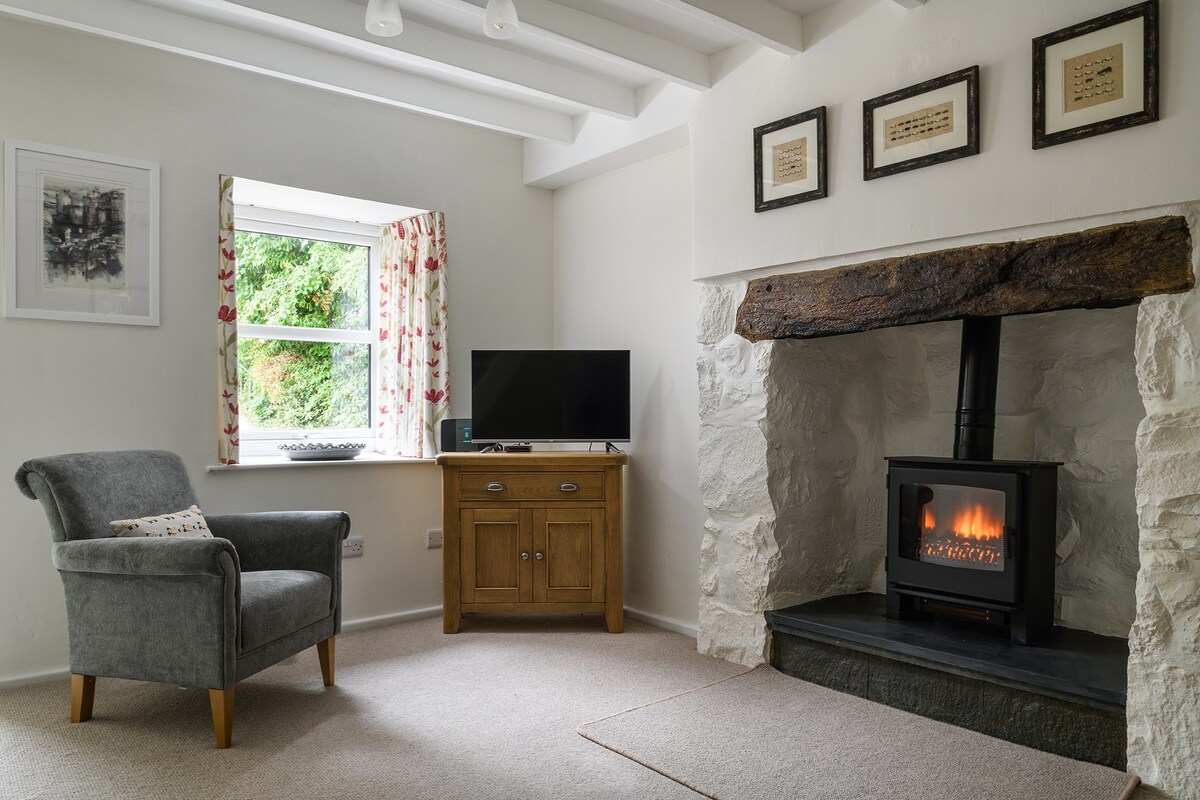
[[785, 738], [488, 713]]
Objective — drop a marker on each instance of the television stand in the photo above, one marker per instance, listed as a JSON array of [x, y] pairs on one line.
[[532, 532], [609, 447]]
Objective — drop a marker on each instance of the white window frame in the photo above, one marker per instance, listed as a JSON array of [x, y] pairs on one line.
[[252, 219]]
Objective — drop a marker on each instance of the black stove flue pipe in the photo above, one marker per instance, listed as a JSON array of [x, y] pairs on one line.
[[978, 365]]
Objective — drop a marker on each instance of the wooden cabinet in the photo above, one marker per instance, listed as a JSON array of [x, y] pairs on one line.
[[531, 532]]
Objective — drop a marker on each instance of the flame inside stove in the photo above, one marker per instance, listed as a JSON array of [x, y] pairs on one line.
[[975, 536]]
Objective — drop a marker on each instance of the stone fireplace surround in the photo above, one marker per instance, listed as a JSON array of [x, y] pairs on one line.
[[792, 440]]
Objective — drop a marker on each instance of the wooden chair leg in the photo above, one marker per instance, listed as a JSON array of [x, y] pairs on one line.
[[325, 653], [83, 692], [221, 701]]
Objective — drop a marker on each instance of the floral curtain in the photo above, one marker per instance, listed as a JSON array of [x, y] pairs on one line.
[[227, 368], [413, 382]]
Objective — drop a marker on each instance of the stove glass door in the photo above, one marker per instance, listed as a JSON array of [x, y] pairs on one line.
[[953, 525]]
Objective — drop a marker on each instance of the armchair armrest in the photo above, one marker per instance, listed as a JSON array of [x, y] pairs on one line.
[[154, 610], [147, 556], [309, 540]]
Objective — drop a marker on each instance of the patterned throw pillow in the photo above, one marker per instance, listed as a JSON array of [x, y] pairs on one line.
[[186, 524]]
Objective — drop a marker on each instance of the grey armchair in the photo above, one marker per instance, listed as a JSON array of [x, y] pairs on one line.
[[193, 612]]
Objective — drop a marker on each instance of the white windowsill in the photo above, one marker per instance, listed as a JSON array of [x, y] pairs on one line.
[[281, 462]]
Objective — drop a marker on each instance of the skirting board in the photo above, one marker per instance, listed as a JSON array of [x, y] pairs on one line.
[[666, 623], [62, 673], [388, 619], [48, 676], [370, 622]]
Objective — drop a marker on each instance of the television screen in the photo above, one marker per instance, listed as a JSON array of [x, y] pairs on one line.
[[550, 395]]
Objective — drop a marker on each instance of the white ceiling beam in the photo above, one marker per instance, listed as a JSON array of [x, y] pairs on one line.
[[604, 144], [759, 21], [161, 29], [337, 26], [589, 35], [910, 4]]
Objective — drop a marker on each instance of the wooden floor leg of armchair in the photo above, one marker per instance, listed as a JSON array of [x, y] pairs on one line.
[[325, 652], [83, 692], [221, 701]]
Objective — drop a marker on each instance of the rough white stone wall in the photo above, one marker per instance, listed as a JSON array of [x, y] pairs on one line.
[[824, 433], [739, 554], [792, 440], [1069, 393], [1163, 708]]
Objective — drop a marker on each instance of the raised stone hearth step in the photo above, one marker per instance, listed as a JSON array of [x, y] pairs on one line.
[[1066, 698], [1106, 267]]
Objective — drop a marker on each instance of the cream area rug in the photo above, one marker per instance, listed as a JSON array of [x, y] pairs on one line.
[[762, 735]]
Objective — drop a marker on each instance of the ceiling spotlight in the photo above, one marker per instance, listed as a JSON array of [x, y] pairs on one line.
[[500, 22], [383, 18]]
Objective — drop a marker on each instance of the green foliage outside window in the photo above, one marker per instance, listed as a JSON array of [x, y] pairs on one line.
[[312, 284]]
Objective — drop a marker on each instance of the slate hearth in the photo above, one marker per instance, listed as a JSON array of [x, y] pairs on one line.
[[1067, 697]]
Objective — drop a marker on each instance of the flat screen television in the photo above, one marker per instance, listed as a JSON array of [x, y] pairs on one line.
[[550, 395]]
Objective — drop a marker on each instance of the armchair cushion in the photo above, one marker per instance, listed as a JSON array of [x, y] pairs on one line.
[[186, 524], [289, 540], [279, 602]]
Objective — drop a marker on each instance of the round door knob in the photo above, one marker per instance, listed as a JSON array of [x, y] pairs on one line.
[[525, 556], [539, 556]]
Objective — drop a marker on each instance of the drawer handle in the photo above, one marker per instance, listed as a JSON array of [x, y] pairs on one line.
[[495, 486], [568, 487]]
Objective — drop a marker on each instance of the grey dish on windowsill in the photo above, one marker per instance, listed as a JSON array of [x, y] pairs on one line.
[[316, 451]]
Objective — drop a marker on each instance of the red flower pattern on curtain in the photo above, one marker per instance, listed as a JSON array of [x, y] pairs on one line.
[[228, 441], [413, 383]]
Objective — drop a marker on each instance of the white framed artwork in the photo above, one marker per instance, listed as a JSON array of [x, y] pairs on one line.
[[81, 235]]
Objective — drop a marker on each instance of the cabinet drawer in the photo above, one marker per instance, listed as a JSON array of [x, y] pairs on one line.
[[532, 485]]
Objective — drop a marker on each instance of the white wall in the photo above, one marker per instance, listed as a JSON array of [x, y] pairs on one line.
[[859, 49], [76, 386], [622, 261]]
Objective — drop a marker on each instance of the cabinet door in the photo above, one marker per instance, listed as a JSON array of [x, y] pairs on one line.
[[492, 543], [570, 543]]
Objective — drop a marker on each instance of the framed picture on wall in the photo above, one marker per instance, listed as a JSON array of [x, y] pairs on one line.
[[790, 160], [1096, 77], [81, 235], [925, 124]]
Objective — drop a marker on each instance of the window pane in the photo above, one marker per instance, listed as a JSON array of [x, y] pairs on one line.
[[297, 385], [282, 280]]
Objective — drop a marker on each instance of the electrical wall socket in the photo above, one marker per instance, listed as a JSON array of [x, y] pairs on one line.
[[352, 547], [433, 538]]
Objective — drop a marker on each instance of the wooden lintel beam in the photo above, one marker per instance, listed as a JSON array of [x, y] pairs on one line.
[[1105, 267]]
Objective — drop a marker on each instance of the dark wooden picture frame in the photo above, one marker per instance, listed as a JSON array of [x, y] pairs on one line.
[[763, 134], [969, 77], [1148, 13]]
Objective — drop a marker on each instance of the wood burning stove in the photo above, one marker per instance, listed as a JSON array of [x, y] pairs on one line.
[[970, 537]]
